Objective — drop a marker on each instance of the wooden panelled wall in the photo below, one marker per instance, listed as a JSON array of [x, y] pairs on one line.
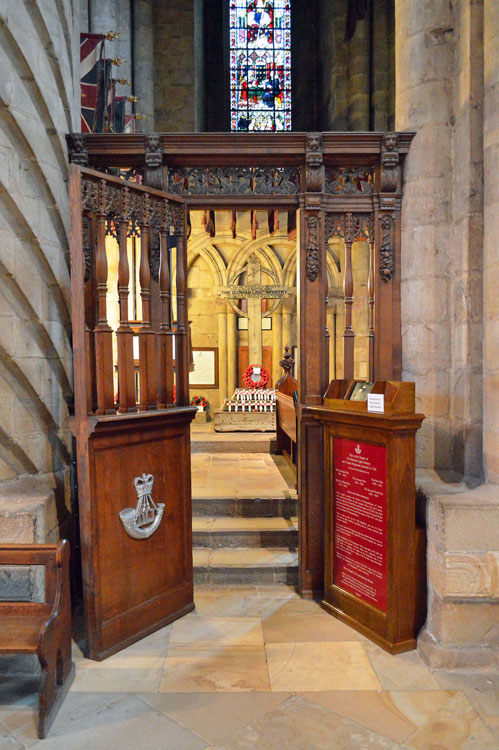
[[343, 184]]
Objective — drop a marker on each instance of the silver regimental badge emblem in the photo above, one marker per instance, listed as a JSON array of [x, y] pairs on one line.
[[141, 522]]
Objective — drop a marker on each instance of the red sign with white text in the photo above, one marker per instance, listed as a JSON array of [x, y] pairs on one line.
[[359, 531]]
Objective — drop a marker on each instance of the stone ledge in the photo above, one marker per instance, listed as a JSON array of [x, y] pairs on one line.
[[462, 628], [439, 657]]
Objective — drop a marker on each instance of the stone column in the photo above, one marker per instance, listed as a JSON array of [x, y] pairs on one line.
[[286, 329], [231, 351], [359, 78], [424, 67], [199, 93], [277, 346], [222, 354], [114, 15], [491, 244], [143, 62]]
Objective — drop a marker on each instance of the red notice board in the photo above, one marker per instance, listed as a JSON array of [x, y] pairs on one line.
[[359, 522]]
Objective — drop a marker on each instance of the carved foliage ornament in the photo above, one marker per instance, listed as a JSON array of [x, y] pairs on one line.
[[386, 265], [287, 362], [312, 263], [234, 180], [349, 180], [142, 521]]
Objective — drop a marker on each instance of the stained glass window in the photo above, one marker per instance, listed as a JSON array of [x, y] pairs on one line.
[[260, 64]]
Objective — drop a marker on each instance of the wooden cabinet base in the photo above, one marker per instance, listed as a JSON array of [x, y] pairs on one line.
[[352, 622], [374, 572]]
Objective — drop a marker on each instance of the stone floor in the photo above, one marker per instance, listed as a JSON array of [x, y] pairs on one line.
[[258, 668]]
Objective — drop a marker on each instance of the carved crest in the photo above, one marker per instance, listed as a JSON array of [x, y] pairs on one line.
[[142, 521]]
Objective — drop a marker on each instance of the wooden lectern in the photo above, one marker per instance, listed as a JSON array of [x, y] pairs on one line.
[[374, 578]]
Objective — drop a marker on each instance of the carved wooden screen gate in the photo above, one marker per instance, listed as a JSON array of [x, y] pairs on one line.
[[131, 419], [344, 185]]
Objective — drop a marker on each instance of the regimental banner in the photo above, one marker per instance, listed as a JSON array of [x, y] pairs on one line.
[[359, 523]]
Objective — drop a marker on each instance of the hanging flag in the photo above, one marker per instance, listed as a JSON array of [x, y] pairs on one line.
[[91, 56], [233, 224], [105, 78], [189, 225], [291, 225], [276, 221], [119, 114]]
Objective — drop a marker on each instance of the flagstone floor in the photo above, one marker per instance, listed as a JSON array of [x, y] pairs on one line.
[[258, 668]]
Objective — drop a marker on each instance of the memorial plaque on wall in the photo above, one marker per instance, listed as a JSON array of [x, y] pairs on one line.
[[359, 524]]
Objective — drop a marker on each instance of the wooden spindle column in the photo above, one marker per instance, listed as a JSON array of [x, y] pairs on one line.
[[124, 334], [348, 334], [102, 331], [370, 299], [147, 342], [165, 346], [182, 337]]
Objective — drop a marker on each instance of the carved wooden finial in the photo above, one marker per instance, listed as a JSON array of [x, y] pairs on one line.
[[287, 363]]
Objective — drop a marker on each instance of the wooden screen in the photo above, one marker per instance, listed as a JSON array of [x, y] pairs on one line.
[[132, 417]]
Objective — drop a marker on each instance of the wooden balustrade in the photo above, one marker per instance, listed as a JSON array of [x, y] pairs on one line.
[[133, 209]]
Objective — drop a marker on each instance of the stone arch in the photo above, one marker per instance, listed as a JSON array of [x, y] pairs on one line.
[[207, 251], [261, 248]]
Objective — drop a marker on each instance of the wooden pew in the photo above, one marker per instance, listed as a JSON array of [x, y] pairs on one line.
[[43, 628], [286, 393]]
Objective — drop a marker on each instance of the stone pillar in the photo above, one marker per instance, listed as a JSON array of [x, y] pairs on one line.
[[114, 15], [143, 62], [231, 351], [277, 346], [199, 92], [359, 78], [491, 244], [222, 354], [424, 64], [287, 339]]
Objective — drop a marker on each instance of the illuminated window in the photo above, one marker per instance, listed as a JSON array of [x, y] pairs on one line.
[[260, 64]]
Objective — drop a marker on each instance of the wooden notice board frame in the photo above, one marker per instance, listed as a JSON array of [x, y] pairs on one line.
[[383, 595]]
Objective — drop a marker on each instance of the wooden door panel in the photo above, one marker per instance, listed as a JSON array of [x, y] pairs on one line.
[[137, 568]]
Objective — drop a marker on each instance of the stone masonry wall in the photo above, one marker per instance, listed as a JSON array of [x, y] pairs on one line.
[[174, 65], [39, 93]]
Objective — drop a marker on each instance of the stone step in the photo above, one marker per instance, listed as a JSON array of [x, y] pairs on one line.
[[227, 532], [245, 565], [207, 441], [244, 507]]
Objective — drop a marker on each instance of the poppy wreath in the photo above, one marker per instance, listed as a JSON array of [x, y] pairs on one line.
[[249, 383]]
